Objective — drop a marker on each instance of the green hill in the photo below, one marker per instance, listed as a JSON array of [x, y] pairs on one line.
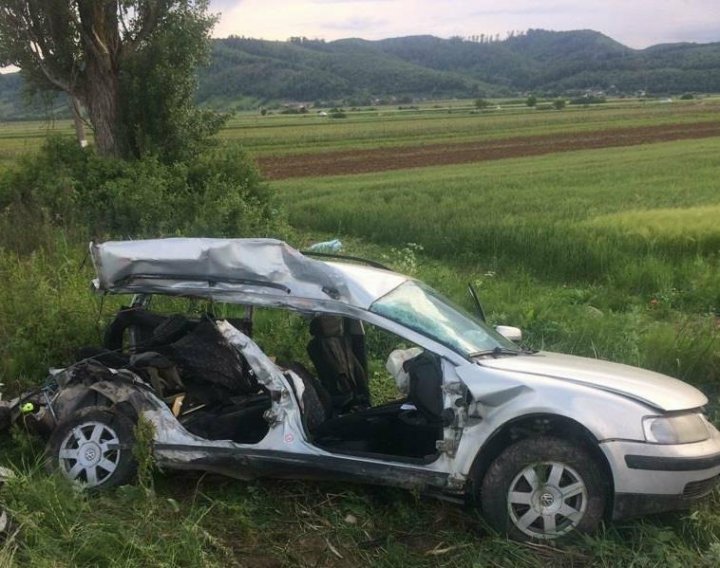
[[310, 70], [247, 71], [426, 66]]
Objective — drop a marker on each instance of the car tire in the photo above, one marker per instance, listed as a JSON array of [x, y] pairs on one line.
[[94, 448], [543, 488]]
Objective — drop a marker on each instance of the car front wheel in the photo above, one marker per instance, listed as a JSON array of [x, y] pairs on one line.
[[543, 488], [93, 448]]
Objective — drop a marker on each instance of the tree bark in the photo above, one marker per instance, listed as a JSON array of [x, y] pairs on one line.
[[100, 39], [101, 98], [78, 121]]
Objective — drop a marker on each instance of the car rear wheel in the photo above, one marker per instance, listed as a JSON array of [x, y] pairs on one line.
[[94, 448], [543, 488]]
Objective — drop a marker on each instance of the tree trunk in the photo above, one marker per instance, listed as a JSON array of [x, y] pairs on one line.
[[100, 39], [102, 101], [78, 121]]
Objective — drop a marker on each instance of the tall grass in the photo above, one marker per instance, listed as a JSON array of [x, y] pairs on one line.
[[588, 253], [538, 213], [608, 253], [193, 520]]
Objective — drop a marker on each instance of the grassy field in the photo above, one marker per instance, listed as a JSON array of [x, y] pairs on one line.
[[570, 215], [17, 138], [613, 253], [630, 231], [432, 122], [282, 134]]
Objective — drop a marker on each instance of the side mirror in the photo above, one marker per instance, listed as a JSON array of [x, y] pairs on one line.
[[509, 332]]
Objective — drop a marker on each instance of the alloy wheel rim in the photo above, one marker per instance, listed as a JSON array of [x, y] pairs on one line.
[[90, 453], [547, 500]]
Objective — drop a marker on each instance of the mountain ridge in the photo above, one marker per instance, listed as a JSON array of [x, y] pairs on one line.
[[253, 72]]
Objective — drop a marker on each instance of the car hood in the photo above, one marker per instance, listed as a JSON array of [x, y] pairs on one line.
[[652, 388]]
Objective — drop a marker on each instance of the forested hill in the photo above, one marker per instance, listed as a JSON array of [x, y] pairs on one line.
[[541, 61]]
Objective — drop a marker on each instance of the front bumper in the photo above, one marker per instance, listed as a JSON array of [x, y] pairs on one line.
[[652, 478]]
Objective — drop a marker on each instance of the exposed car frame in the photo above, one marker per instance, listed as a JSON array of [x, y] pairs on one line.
[[544, 443]]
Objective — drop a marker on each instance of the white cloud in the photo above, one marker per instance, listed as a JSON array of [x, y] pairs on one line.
[[637, 23]]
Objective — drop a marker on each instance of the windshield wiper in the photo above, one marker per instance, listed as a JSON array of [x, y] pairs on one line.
[[496, 352]]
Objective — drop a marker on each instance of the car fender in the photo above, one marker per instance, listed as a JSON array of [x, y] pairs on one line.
[[499, 398]]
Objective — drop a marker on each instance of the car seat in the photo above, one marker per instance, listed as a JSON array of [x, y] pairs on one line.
[[337, 351]]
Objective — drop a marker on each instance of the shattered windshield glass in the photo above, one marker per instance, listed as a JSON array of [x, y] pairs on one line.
[[424, 310]]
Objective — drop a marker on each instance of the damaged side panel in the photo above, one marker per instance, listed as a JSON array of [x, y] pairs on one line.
[[285, 450]]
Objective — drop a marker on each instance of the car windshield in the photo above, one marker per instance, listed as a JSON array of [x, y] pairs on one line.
[[424, 310]]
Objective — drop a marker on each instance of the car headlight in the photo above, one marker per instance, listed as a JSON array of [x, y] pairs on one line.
[[682, 429]]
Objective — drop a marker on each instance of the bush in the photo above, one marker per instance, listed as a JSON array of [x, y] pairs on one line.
[[216, 193], [337, 113], [481, 103]]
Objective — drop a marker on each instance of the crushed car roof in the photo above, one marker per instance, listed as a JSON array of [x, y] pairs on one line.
[[208, 267]]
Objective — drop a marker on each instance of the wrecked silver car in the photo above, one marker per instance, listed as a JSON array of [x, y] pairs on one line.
[[545, 444]]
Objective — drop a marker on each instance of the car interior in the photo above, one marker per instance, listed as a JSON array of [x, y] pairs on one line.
[[214, 394]]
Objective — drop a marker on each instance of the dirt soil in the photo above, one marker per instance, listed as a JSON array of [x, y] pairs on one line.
[[383, 159]]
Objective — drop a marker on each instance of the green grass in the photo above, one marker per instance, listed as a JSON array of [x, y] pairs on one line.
[[282, 134], [690, 224], [434, 122], [205, 520], [18, 138], [537, 212], [609, 253]]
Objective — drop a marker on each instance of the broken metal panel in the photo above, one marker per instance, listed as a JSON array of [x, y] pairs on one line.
[[266, 372], [285, 451], [256, 462], [203, 267]]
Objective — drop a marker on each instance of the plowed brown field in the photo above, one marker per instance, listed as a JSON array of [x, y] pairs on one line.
[[382, 159]]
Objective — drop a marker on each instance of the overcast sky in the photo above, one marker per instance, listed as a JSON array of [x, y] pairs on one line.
[[637, 23]]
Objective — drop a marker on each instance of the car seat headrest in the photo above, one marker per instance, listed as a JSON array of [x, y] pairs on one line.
[[354, 327], [326, 326]]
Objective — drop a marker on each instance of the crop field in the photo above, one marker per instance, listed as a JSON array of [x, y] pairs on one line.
[[607, 250], [17, 138], [404, 157], [280, 134], [433, 122], [615, 228]]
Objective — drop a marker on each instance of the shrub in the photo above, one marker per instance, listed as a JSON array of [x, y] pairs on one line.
[[337, 113], [216, 193]]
